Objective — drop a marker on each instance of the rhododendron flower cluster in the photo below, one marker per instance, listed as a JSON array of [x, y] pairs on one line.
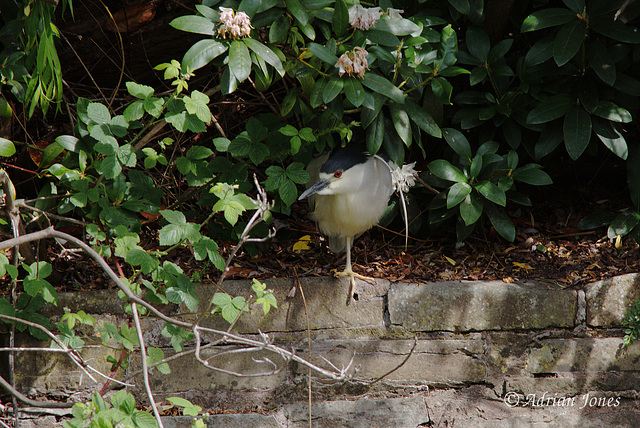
[[363, 18], [353, 63], [234, 24]]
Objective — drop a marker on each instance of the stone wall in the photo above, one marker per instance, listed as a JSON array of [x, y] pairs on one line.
[[481, 354]]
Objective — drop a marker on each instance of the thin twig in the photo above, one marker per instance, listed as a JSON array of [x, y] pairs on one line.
[[145, 372], [415, 343]]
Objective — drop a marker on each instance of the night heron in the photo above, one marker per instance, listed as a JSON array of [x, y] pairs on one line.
[[349, 197]]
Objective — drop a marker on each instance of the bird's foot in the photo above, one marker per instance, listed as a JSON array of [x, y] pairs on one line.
[[353, 275]]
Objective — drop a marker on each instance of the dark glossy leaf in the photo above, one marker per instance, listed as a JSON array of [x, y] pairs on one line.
[[421, 118], [202, 53], [239, 60], [331, 89], [400, 120], [546, 18], [601, 62], [442, 89], [265, 52], [610, 111], [383, 38], [457, 193], [500, 50], [623, 223], [375, 134], [532, 174], [478, 44], [471, 208], [461, 6], [279, 30], [588, 94], [194, 24], [323, 53], [577, 131], [550, 109], [576, 6], [354, 91], [444, 170], [627, 85], [458, 142], [540, 52], [568, 41], [633, 175], [340, 18], [383, 86], [397, 26], [501, 222], [616, 30], [610, 137], [492, 192], [448, 49], [297, 11], [597, 219]]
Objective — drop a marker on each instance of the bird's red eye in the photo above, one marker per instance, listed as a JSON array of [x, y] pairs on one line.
[[337, 174]]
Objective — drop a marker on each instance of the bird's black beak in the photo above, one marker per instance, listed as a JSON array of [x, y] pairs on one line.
[[315, 188]]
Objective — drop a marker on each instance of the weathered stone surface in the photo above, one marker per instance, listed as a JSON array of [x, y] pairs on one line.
[[433, 362], [227, 421], [394, 412], [610, 299], [189, 374], [48, 371], [476, 306], [583, 355], [325, 307]]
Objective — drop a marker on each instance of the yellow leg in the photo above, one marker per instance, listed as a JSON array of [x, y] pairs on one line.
[[348, 271]]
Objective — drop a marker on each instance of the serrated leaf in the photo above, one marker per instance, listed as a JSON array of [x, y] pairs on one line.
[[98, 113], [288, 192]]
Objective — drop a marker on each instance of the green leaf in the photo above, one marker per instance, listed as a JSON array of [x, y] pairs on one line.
[[550, 109], [199, 153], [340, 18], [382, 38], [279, 30], [98, 113], [288, 192], [239, 60], [323, 53], [610, 111], [623, 223], [532, 174], [442, 89], [492, 192], [458, 142], [331, 89], [194, 24], [354, 91], [633, 174], [202, 53], [375, 134], [444, 170], [478, 43], [397, 26], [501, 222], [546, 18], [471, 208], [601, 62], [298, 11], [265, 52], [461, 6], [6, 147], [577, 131], [383, 86], [296, 173], [400, 120], [457, 193], [568, 41], [139, 257], [448, 49], [616, 30], [421, 118]]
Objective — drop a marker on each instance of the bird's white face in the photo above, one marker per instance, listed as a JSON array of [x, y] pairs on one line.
[[341, 182]]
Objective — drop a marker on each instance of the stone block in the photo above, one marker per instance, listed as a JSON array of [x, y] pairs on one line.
[[325, 307], [609, 300], [392, 412], [583, 355], [476, 306], [433, 362]]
